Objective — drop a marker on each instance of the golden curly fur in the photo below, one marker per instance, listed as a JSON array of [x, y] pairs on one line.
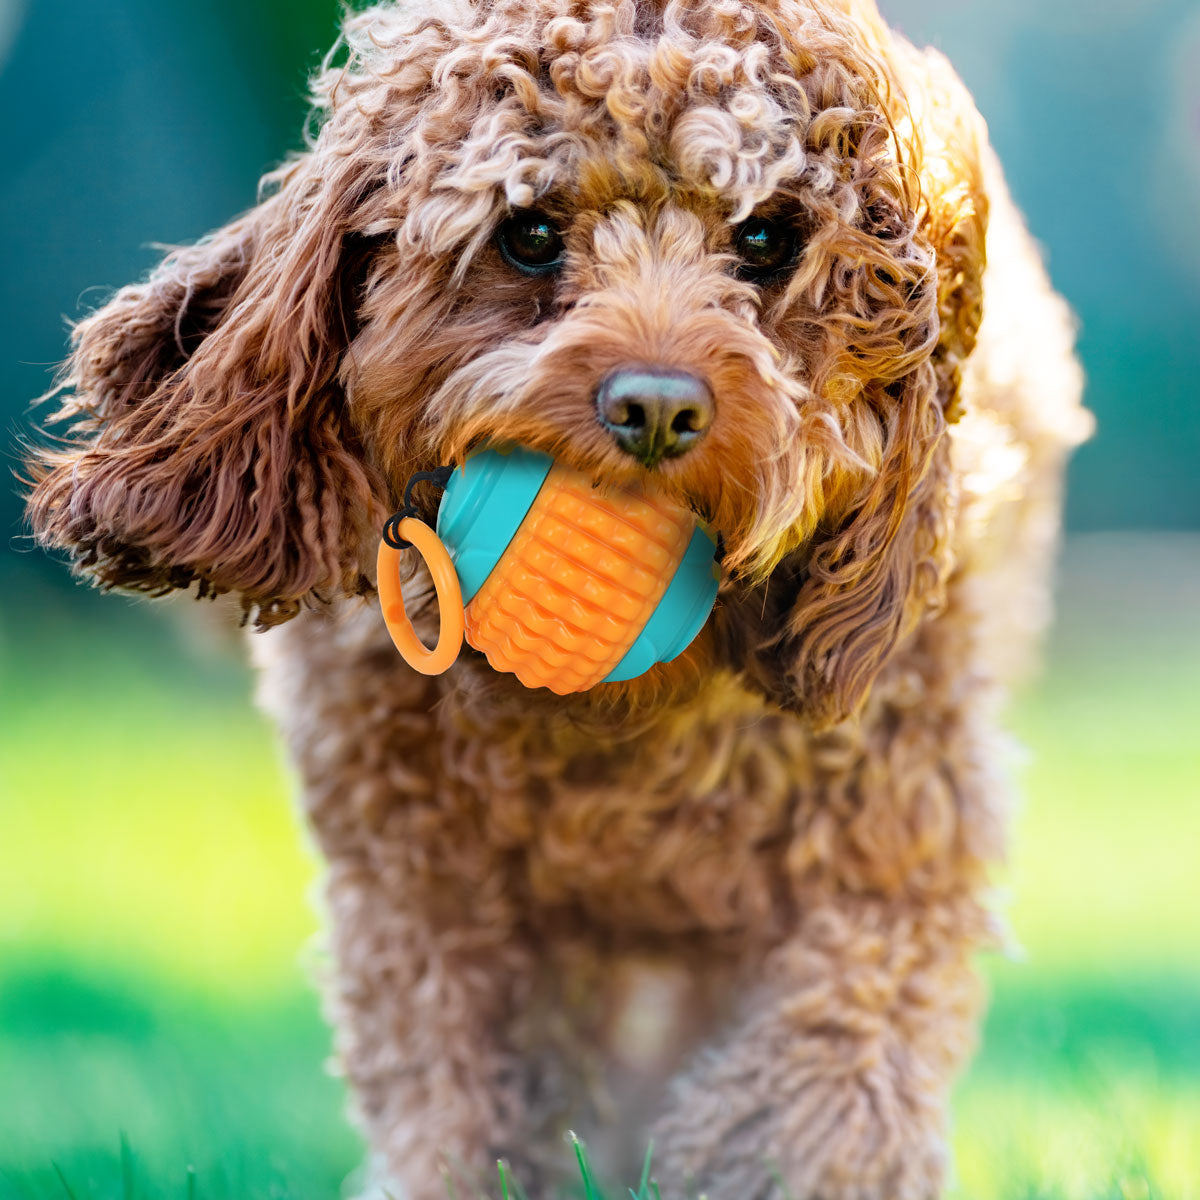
[[732, 904]]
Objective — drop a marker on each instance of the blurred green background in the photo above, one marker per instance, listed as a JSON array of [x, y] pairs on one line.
[[158, 1036]]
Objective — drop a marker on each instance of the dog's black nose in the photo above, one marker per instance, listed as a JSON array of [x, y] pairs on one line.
[[654, 412]]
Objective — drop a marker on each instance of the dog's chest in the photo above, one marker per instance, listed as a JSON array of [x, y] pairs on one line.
[[681, 826], [686, 822]]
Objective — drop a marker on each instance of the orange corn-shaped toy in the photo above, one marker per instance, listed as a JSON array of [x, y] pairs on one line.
[[577, 583], [566, 585]]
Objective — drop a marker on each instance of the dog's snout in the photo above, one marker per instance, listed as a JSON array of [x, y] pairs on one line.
[[654, 413]]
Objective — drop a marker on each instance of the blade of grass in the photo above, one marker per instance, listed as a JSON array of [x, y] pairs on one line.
[[126, 1168], [776, 1175], [66, 1187], [645, 1179], [590, 1190]]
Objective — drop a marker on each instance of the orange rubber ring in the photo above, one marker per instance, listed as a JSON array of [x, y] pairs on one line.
[[449, 594]]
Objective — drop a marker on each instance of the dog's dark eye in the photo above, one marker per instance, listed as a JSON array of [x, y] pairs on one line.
[[531, 242], [763, 246]]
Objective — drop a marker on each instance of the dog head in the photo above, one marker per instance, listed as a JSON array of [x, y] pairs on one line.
[[732, 251]]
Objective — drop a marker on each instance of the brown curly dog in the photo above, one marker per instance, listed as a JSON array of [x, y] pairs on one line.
[[731, 905]]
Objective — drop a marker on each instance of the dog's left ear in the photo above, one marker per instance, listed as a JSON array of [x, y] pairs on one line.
[[210, 442], [840, 606]]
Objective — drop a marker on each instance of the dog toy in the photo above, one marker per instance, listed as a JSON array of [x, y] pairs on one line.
[[555, 580]]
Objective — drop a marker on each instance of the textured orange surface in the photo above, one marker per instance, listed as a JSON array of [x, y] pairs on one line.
[[577, 583]]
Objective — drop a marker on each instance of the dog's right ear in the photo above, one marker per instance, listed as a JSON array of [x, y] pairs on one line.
[[209, 441]]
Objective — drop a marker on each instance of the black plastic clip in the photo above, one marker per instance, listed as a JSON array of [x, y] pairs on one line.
[[439, 477]]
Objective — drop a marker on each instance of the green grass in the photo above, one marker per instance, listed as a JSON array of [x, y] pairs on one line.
[[235, 1092], [158, 1037], [1076, 1082]]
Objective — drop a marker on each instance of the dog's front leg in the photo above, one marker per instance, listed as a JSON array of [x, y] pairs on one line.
[[831, 1083], [431, 973], [427, 998]]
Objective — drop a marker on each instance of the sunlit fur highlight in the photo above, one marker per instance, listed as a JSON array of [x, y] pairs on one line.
[[797, 816]]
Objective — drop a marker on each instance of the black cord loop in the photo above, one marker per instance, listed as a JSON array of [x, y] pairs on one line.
[[439, 477]]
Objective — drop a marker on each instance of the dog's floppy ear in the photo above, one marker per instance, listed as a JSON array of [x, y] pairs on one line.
[[841, 605], [209, 441], [948, 137]]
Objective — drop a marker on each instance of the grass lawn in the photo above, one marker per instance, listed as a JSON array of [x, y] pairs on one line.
[[158, 1038]]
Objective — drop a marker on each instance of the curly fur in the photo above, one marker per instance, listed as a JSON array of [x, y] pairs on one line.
[[735, 900]]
